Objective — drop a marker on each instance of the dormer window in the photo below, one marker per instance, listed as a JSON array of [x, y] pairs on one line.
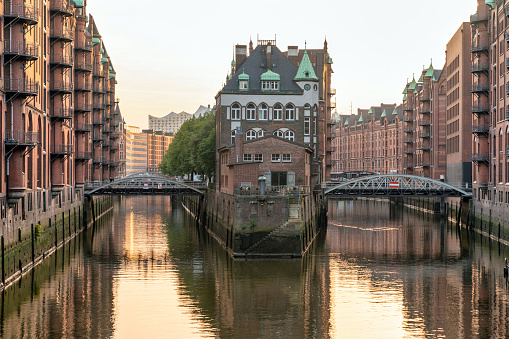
[[270, 81], [243, 81]]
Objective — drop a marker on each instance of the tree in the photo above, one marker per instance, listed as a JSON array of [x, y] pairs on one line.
[[193, 148]]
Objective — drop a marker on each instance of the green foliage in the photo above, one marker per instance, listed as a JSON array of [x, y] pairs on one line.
[[253, 224], [37, 231], [193, 149]]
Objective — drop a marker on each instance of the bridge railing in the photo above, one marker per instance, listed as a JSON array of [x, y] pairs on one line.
[[273, 190]]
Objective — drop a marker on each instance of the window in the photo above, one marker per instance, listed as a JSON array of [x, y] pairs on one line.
[[270, 85], [287, 158], [258, 157], [279, 134], [278, 112], [250, 135], [233, 136], [236, 112], [290, 112], [274, 85], [248, 157], [307, 126], [276, 157], [263, 112], [251, 112], [265, 85], [290, 135], [243, 85]]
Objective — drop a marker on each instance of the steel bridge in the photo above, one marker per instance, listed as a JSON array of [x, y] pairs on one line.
[[145, 183], [393, 185]]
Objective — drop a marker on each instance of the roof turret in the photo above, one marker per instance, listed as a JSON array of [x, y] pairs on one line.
[[305, 71]]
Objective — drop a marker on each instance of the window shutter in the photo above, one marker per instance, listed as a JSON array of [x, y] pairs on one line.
[[268, 182]]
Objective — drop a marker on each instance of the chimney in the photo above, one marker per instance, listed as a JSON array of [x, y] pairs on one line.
[[293, 55], [240, 55], [239, 145]]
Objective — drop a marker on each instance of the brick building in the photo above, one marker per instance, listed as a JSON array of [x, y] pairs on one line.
[[144, 149], [58, 99], [271, 94]]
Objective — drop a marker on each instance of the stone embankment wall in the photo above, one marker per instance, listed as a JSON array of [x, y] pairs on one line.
[[29, 236], [260, 226]]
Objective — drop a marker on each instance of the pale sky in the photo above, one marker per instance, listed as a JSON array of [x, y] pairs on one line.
[[174, 55]]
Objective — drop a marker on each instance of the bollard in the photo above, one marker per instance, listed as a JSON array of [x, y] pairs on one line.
[[261, 184]]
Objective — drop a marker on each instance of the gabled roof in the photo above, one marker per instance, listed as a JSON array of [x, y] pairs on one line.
[[257, 64], [305, 71]]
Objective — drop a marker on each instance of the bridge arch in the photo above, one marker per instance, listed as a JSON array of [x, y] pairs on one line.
[[395, 185], [146, 183]]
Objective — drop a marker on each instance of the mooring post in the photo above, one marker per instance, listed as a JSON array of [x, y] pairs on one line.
[[442, 199]]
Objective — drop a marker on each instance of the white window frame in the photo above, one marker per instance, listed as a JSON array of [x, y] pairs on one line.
[[235, 112], [307, 126], [279, 134], [290, 135], [258, 157], [288, 157], [274, 85], [275, 157], [248, 157], [265, 85], [233, 136], [251, 135], [263, 112], [251, 112], [278, 112], [243, 85], [290, 112]]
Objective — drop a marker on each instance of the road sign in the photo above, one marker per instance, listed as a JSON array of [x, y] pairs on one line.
[[145, 186], [393, 184]]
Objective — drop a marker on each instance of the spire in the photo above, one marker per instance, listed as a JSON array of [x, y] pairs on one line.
[[384, 115], [395, 112], [305, 71]]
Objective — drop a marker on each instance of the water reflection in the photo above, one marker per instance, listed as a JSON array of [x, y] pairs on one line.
[[378, 272]]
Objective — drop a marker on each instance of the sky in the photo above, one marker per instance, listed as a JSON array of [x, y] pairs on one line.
[[173, 56]]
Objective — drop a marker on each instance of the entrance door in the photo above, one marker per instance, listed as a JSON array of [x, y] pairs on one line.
[[279, 179]]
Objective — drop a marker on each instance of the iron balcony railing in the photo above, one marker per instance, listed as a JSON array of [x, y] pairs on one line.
[[424, 122], [98, 120], [408, 150], [408, 130], [477, 88], [480, 157], [99, 88], [483, 128], [21, 48], [480, 67], [62, 113], [83, 45], [424, 135], [408, 140], [61, 33], [98, 72], [61, 59], [408, 108], [83, 66], [425, 97], [83, 155], [99, 160], [82, 127], [476, 109], [62, 6], [98, 105], [424, 110], [20, 137], [423, 147], [62, 149], [82, 107], [26, 86], [273, 190], [28, 14], [83, 86], [62, 86]]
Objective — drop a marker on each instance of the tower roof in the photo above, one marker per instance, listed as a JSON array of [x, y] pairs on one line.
[[430, 72], [305, 71]]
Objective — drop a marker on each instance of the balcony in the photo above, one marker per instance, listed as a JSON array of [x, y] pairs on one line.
[[481, 109], [97, 136], [408, 165], [64, 60], [64, 34], [408, 140], [408, 130], [423, 147], [107, 144], [61, 149], [83, 86], [98, 121], [481, 129], [424, 97], [99, 106], [424, 135], [480, 88], [21, 138], [81, 127], [98, 72], [408, 108], [480, 47], [480, 67], [332, 92], [100, 160], [21, 49], [62, 86], [83, 67], [424, 122], [481, 157], [61, 113], [408, 119], [98, 88], [83, 156], [62, 7], [425, 110], [21, 86], [115, 134], [479, 17], [83, 45], [81, 107], [408, 150], [23, 13]]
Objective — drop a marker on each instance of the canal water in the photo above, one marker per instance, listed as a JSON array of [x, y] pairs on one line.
[[378, 272]]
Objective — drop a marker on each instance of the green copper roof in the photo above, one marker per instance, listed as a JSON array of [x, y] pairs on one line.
[[112, 75], [305, 71], [430, 72], [110, 68], [490, 3], [233, 62], [329, 61], [346, 122], [404, 97], [103, 60], [395, 112], [78, 3], [406, 90], [243, 76], [383, 114], [412, 85], [370, 111], [339, 118], [102, 50], [361, 119], [421, 79], [95, 41], [269, 75]]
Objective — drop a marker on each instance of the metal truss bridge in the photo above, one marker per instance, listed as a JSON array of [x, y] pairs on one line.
[[145, 184], [393, 185]]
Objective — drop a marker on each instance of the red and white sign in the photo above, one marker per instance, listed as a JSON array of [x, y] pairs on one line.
[[160, 186], [145, 186], [393, 184]]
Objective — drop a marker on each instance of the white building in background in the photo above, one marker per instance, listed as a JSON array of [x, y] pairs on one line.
[[171, 123]]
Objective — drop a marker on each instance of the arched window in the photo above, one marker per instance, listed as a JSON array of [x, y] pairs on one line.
[[278, 112], [279, 134], [251, 112], [290, 135], [290, 112], [236, 112], [260, 133], [250, 135], [263, 112]]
